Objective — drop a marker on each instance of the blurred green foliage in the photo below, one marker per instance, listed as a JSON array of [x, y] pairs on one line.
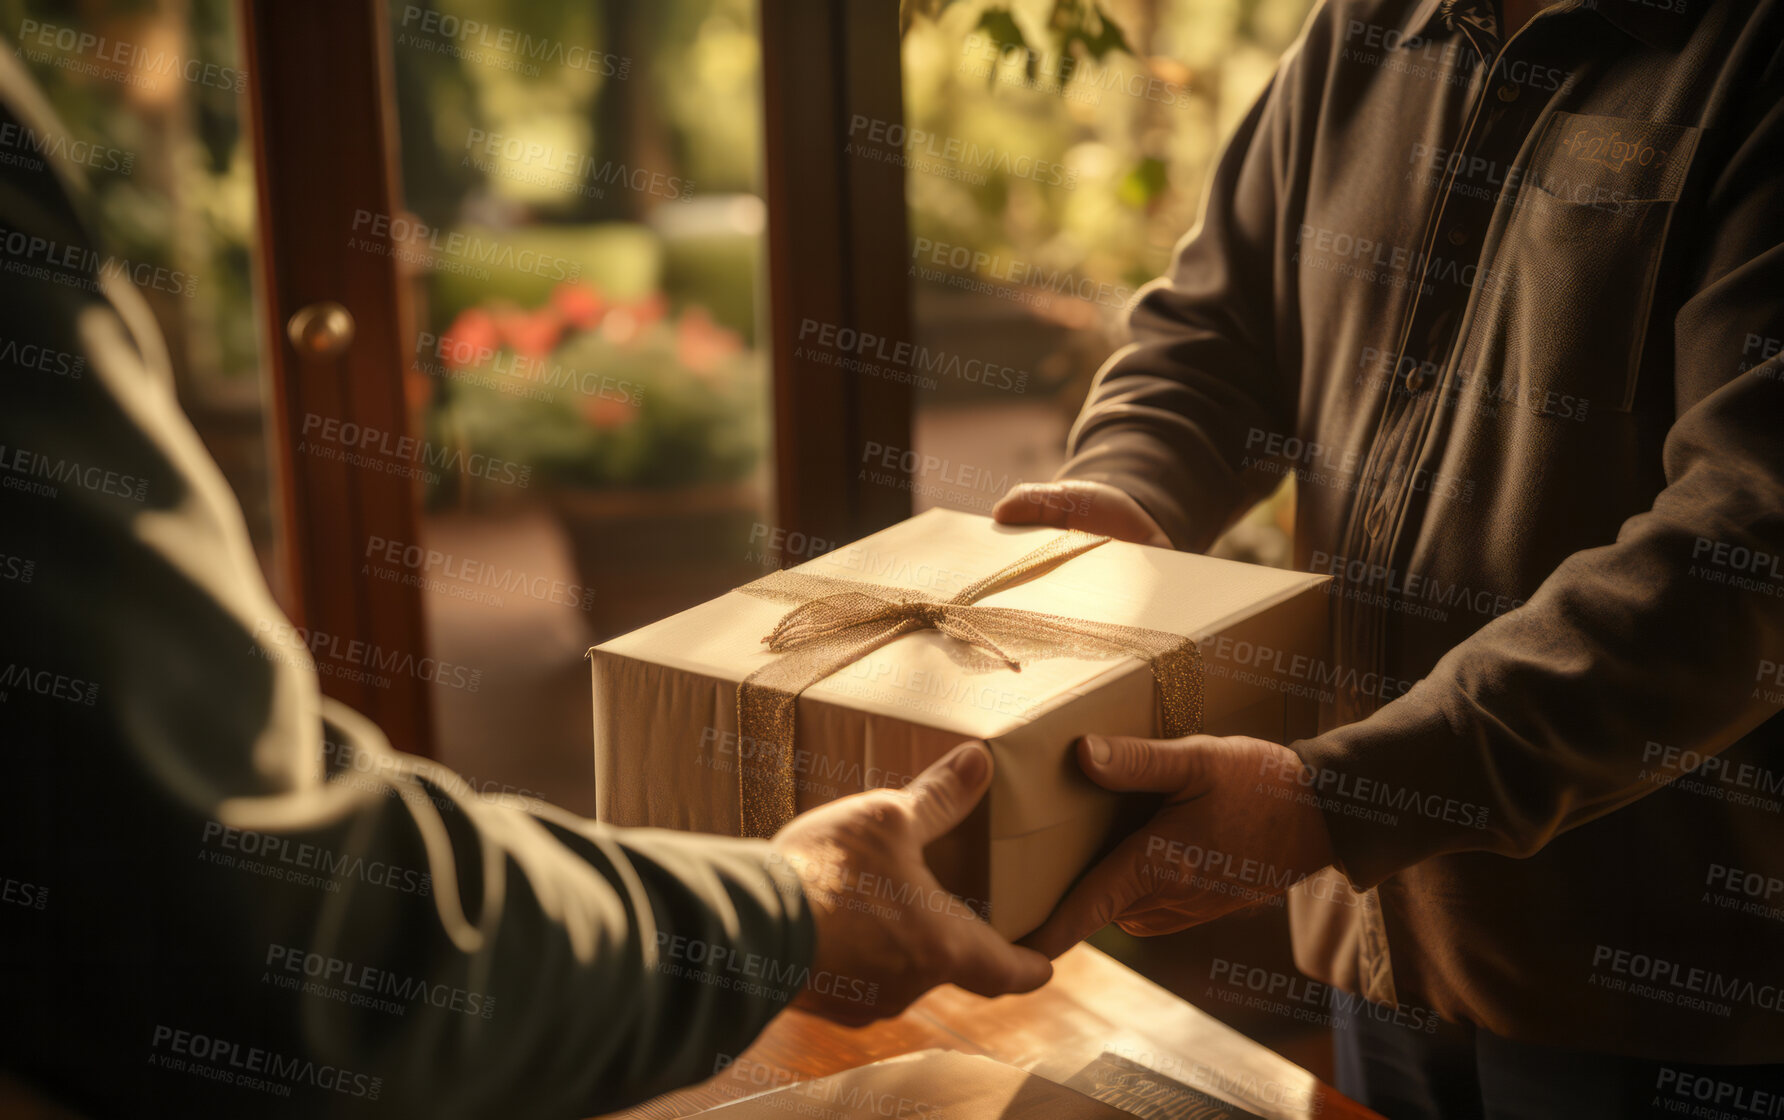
[[674, 90], [1134, 97], [184, 199]]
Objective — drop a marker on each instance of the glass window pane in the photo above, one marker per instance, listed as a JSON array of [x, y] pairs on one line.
[[583, 222], [153, 96], [1056, 151]]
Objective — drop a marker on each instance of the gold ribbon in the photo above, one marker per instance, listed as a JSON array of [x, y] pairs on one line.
[[839, 621]]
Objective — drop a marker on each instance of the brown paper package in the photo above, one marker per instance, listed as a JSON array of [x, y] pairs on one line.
[[668, 752]]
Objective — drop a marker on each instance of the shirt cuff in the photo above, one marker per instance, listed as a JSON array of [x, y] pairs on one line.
[[1386, 786]]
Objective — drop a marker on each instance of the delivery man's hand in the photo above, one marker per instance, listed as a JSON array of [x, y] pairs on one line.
[[886, 930], [1232, 800], [1095, 507]]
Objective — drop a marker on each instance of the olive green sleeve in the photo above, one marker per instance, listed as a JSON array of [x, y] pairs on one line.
[[221, 894]]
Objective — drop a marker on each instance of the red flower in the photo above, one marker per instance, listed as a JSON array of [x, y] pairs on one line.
[[701, 344], [580, 303], [531, 334], [652, 308], [471, 339], [607, 413]]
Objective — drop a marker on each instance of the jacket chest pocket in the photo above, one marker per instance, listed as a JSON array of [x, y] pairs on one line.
[[1565, 315]]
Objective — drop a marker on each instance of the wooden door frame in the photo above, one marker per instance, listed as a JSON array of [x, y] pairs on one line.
[[322, 113], [322, 110], [838, 258]]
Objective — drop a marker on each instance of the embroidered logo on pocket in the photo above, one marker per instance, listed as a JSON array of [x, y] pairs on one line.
[[1590, 159]]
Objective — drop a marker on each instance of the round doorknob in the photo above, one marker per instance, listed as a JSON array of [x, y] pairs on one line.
[[321, 330]]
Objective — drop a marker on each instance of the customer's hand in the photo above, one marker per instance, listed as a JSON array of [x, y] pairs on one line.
[[1095, 507], [1239, 828], [886, 930]]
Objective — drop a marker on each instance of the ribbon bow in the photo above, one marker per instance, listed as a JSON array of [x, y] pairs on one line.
[[839, 621]]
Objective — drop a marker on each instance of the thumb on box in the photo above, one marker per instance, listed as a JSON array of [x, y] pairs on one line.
[[949, 789], [1128, 764]]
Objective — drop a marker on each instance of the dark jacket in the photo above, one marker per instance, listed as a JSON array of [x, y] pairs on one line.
[[1511, 315], [223, 895]]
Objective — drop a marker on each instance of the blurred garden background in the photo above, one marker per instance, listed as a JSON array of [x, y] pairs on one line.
[[1055, 150], [622, 141], [582, 230]]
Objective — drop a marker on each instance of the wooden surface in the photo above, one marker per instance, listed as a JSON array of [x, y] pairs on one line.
[[1093, 1005]]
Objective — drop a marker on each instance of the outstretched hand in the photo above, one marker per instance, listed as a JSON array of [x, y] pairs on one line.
[[871, 963], [1237, 829], [1094, 507]]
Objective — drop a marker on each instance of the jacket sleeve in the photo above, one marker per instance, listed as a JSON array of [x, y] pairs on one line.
[[1178, 417], [1672, 634], [226, 896]]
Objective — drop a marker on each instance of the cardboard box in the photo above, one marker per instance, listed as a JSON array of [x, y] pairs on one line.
[[668, 752]]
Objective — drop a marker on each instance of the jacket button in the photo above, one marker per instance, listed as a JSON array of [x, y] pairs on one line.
[[1458, 237], [1508, 92], [1417, 380]]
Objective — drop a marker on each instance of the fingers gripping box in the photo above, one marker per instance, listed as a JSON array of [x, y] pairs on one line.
[[671, 752]]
